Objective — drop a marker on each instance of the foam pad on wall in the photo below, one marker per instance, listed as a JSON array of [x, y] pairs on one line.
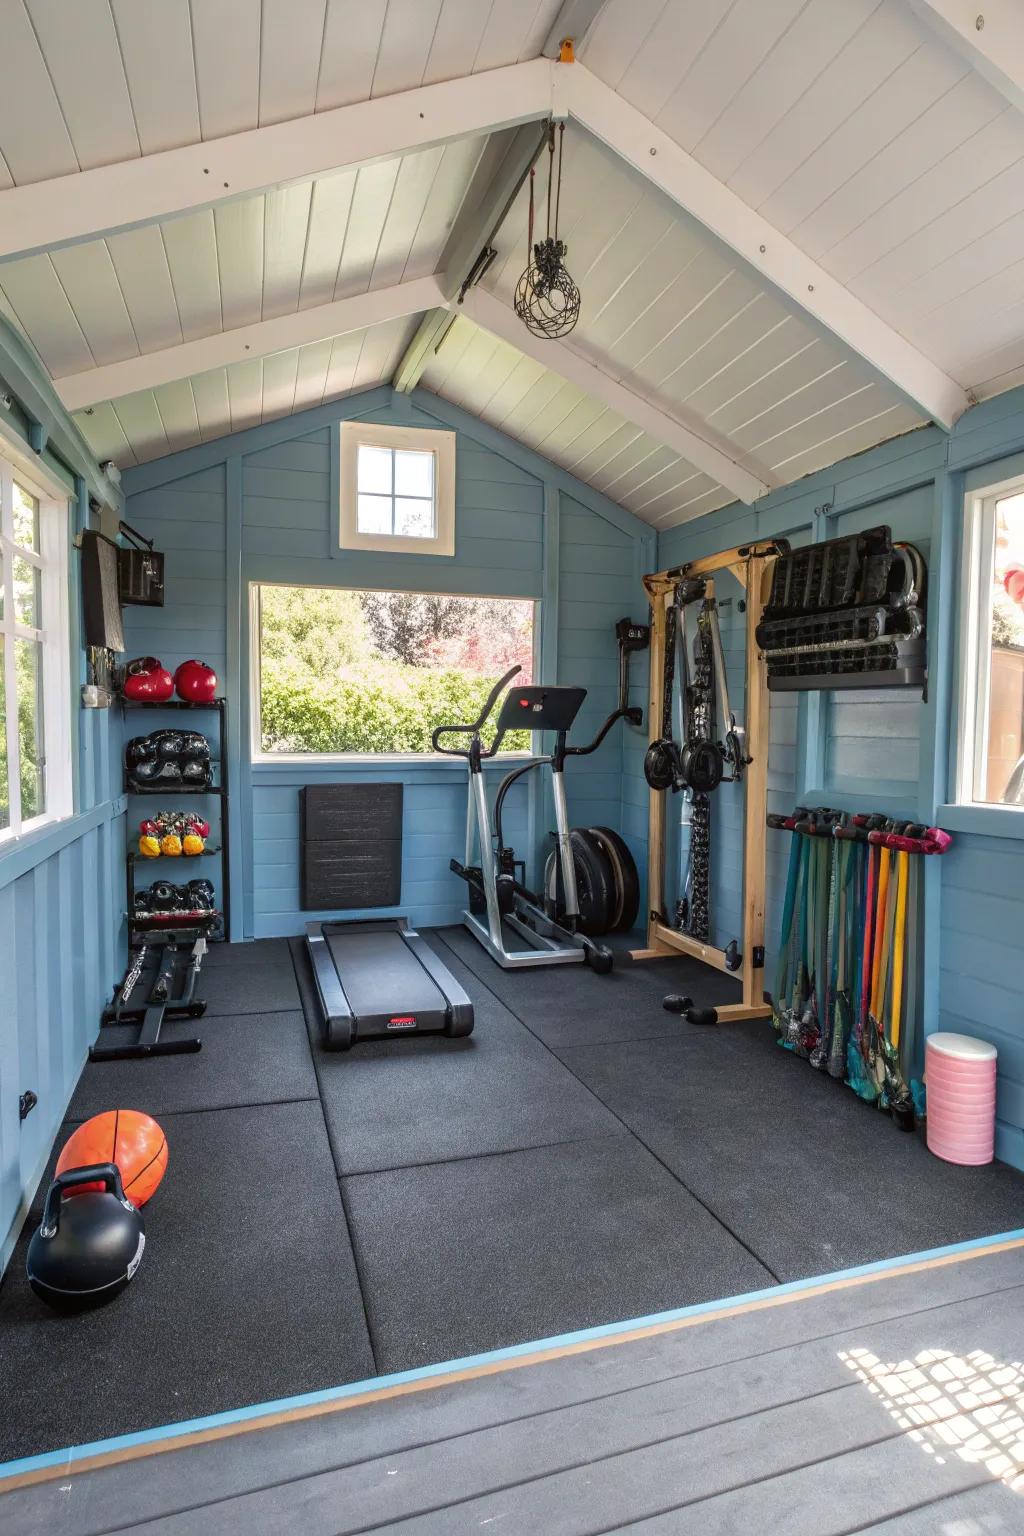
[[351, 846]]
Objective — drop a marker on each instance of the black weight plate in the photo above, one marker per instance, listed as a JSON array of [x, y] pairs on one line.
[[595, 883], [627, 881]]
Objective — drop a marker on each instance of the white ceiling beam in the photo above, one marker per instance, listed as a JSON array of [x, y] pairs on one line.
[[486, 206], [694, 442], [490, 196], [88, 204], [683, 179], [416, 357], [989, 34], [263, 337]]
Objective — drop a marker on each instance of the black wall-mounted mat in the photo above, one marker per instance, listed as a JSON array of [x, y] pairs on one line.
[[351, 844]]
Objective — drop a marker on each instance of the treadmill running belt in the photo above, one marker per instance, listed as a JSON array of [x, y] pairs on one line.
[[383, 979]]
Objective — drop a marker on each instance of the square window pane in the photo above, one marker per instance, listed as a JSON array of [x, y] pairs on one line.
[[26, 519], [27, 601], [374, 514], [28, 668], [414, 519], [414, 473], [5, 793], [374, 470]]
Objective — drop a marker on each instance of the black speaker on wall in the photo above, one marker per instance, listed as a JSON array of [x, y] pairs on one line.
[[351, 842]]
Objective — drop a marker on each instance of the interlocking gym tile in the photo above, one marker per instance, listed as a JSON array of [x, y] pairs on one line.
[[247, 1291], [474, 1255], [259, 1058]]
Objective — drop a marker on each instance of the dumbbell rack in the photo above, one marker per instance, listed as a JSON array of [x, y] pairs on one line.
[[175, 933]]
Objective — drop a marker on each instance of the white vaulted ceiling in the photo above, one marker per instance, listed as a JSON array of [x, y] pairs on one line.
[[760, 185], [853, 129], [98, 81], [251, 259]]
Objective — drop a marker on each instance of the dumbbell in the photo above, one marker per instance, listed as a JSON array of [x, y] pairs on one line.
[[674, 1003]]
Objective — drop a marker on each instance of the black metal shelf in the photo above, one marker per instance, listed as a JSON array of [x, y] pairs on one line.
[[217, 703], [170, 793], [168, 790], [186, 858]]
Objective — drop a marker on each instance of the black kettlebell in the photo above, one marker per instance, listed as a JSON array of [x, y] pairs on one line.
[[87, 1248]]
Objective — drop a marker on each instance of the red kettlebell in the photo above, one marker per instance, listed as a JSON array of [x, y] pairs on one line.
[[196, 682], [148, 681]]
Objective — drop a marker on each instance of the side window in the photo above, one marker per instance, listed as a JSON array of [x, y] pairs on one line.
[[991, 748], [35, 754]]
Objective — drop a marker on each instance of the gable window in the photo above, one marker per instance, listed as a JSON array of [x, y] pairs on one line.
[[991, 752], [397, 489], [35, 747], [340, 673]]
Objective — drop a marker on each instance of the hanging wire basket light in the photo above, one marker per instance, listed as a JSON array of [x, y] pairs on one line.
[[547, 300]]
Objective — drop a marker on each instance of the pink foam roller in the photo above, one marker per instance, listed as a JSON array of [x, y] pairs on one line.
[[960, 1074]]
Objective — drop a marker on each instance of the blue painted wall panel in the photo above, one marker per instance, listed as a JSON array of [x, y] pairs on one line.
[[285, 522]]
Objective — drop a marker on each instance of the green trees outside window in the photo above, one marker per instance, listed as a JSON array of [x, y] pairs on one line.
[[375, 672]]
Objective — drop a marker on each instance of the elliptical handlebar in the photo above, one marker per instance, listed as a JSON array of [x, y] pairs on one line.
[[474, 729]]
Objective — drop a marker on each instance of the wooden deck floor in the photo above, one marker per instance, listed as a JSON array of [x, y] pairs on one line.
[[892, 1401]]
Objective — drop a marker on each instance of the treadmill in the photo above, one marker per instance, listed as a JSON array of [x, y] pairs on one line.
[[379, 978]]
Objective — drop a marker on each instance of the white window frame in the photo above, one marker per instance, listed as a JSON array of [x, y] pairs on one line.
[[355, 434], [54, 634], [260, 758], [975, 642]]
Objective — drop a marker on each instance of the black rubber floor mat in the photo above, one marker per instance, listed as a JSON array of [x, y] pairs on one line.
[[425, 1098], [247, 1291], [496, 1250]]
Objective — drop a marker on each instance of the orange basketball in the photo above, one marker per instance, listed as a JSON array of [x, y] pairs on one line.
[[126, 1137]]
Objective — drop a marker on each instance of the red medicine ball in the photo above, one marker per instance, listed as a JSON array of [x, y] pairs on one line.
[[196, 682], [146, 679]]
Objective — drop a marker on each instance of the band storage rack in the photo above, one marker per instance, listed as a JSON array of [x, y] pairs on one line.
[[148, 931]]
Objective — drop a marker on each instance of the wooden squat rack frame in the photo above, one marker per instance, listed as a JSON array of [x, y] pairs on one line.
[[752, 567]]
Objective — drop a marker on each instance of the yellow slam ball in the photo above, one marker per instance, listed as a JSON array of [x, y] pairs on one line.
[[149, 847], [193, 843], [171, 845]]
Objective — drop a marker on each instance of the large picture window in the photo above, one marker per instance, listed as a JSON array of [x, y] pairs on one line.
[[991, 758], [339, 672], [35, 752]]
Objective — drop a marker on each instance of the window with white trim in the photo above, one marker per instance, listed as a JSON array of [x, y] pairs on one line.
[[990, 768], [35, 747], [397, 489]]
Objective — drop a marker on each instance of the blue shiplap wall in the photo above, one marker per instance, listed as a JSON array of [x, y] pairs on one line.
[[61, 907], [260, 506], [894, 752]]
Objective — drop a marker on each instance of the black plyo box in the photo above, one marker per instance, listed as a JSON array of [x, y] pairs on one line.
[[351, 839]]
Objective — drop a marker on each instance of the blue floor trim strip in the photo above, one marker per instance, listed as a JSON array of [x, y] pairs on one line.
[[66, 1458]]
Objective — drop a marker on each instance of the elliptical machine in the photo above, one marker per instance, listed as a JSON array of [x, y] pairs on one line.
[[497, 899]]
